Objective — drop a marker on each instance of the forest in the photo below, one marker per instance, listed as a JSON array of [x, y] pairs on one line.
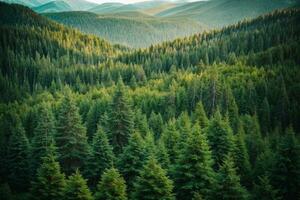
[[210, 116]]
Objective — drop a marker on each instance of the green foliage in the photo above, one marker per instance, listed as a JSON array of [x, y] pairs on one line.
[[49, 183], [132, 159], [153, 183], [264, 190], [120, 118], [77, 188], [220, 138], [228, 182], [43, 137], [71, 137], [286, 173], [18, 157], [102, 156], [111, 186], [193, 170]]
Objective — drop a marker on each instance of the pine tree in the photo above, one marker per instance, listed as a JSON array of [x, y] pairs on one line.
[[153, 183], [102, 156], [93, 118], [132, 159], [200, 115], [140, 123], [286, 173], [50, 183], [170, 138], [156, 124], [18, 157], [265, 119], [71, 139], [77, 188], [241, 157], [193, 170], [162, 155], [220, 138], [43, 136], [120, 118], [228, 182], [264, 190], [111, 187]]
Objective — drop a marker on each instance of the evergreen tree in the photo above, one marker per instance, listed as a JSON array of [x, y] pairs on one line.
[[77, 188], [241, 157], [286, 173], [140, 123], [170, 138], [153, 183], [43, 136], [18, 157], [120, 118], [264, 190], [132, 159], [102, 156], [111, 187], [193, 171], [200, 115], [93, 118], [228, 182], [156, 124], [265, 119], [71, 137], [220, 138], [162, 155], [49, 183]]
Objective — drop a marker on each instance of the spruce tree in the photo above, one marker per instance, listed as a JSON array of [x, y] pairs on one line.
[[220, 138], [170, 138], [120, 118], [18, 157], [43, 136], [132, 159], [156, 124], [102, 156], [228, 182], [153, 183], [193, 170], [50, 182], [264, 190], [93, 118], [241, 157], [77, 188], [200, 115], [286, 173], [71, 140], [111, 186]]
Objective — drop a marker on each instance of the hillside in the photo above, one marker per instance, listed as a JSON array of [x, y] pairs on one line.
[[132, 29], [53, 6], [219, 13], [210, 116]]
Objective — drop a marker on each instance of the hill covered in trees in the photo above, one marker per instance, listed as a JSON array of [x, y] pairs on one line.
[[132, 29], [211, 116]]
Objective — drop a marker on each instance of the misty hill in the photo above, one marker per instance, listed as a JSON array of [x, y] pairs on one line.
[[53, 6], [218, 13], [132, 29]]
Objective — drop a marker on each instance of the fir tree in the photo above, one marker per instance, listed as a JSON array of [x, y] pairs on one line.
[[228, 182], [200, 115], [132, 159], [156, 124], [18, 157], [193, 171], [220, 138], [286, 173], [71, 137], [120, 118], [264, 190], [50, 183], [43, 136], [77, 188], [111, 187], [153, 183]]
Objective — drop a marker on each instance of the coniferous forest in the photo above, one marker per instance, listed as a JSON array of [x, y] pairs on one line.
[[212, 116]]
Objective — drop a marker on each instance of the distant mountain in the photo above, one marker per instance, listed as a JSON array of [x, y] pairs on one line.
[[133, 29], [29, 3], [53, 6], [218, 13]]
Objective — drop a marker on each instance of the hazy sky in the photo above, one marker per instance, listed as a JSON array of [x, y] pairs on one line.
[[121, 1]]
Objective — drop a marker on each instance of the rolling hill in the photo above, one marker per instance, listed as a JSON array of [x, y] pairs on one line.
[[219, 13], [132, 29], [53, 6]]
